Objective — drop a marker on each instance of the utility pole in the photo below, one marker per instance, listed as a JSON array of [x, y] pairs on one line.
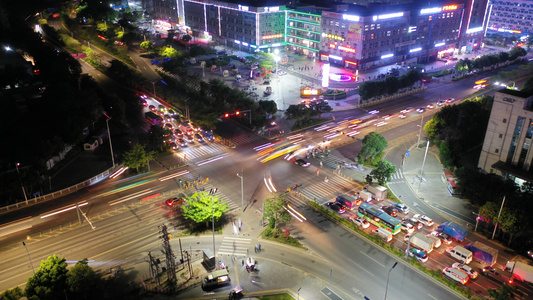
[[169, 256], [499, 214], [23, 190]]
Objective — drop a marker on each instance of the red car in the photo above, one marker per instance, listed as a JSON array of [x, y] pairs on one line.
[[174, 201]]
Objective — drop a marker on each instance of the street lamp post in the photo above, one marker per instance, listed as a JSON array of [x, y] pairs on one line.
[[388, 276], [110, 144], [24, 244], [242, 189], [153, 85], [23, 190], [212, 192], [423, 163]]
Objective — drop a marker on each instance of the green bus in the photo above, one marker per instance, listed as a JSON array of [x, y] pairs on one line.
[[379, 218]]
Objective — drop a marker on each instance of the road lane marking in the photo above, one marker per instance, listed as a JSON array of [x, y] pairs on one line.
[[377, 262], [361, 267]]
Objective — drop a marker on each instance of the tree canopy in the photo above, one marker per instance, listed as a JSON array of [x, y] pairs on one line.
[[372, 146], [275, 211], [137, 157], [383, 171], [49, 281], [200, 207]]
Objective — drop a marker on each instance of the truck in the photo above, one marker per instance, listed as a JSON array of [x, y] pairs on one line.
[[348, 201], [520, 270], [380, 192], [456, 231], [418, 240], [483, 253], [365, 196]]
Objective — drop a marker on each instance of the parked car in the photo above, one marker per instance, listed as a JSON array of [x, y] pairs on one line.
[[390, 210], [401, 207], [301, 162], [445, 238], [418, 254], [424, 220], [467, 269], [360, 222], [335, 206]]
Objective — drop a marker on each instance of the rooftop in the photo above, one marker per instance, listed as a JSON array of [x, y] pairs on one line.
[[522, 94]]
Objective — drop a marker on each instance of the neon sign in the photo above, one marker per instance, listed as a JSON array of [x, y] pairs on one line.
[[440, 44], [332, 46], [351, 63], [332, 36], [273, 36], [415, 50], [433, 10], [335, 57], [350, 18], [473, 30], [346, 49], [388, 16], [449, 7], [387, 56]]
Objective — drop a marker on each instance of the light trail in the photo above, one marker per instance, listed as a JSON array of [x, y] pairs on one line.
[[62, 210]]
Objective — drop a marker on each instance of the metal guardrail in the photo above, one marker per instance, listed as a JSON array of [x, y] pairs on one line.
[[61, 193]]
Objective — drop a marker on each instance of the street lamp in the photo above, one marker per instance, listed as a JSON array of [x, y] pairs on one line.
[[110, 144], [153, 85], [423, 163], [212, 193], [242, 190], [388, 276], [23, 190], [24, 244]]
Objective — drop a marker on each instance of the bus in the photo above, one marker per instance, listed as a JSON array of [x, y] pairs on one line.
[[379, 218], [153, 118]]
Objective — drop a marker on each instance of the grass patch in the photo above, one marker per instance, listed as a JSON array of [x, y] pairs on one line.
[[269, 234], [284, 296]]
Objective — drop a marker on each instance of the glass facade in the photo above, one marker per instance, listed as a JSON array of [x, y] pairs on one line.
[[527, 144], [514, 140]]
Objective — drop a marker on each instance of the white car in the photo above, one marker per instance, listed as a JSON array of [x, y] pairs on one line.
[[281, 73], [467, 269], [407, 227], [424, 220], [402, 116], [373, 112], [361, 222]]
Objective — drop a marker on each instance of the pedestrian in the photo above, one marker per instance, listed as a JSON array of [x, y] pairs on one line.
[[259, 247], [317, 171], [240, 224], [255, 249], [321, 164], [243, 262]]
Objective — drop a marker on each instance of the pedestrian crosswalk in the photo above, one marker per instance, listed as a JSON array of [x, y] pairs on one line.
[[245, 138], [397, 176], [237, 246], [322, 191], [203, 151], [192, 177]]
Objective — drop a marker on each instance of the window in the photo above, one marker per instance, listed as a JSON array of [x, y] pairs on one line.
[[497, 150], [504, 120], [500, 136]]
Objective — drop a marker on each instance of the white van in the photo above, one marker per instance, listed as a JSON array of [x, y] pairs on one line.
[[456, 275], [437, 243], [383, 234], [461, 254]]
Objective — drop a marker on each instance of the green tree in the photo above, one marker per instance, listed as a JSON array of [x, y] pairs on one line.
[[383, 171], [296, 112], [12, 294], [157, 137], [171, 52], [275, 211], [373, 145], [49, 281], [509, 223], [320, 107], [504, 292], [269, 106], [489, 212], [528, 83], [201, 205], [147, 45], [137, 157], [82, 281], [516, 52], [392, 84]]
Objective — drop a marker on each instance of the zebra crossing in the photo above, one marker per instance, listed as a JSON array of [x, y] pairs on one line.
[[397, 177], [203, 151], [245, 138], [322, 191], [192, 176], [237, 246]]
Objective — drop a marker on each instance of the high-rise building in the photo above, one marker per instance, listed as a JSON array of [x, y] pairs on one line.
[[474, 25], [513, 16], [304, 28], [507, 147]]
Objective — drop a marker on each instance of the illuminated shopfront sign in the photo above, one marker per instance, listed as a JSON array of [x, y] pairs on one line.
[[412, 29], [440, 44], [272, 9], [332, 36], [449, 7], [244, 44], [388, 16], [351, 62], [346, 49], [351, 18], [237, 42], [474, 30], [325, 75], [276, 45], [505, 30], [332, 46], [387, 56], [245, 8], [428, 11], [335, 57], [272, 36], [446, 51], [415, 50]]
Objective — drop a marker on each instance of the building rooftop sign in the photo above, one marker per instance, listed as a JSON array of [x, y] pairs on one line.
[[428, 11], [388, 16], [350, 18]]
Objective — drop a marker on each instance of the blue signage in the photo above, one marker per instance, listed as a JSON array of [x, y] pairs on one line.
[[407, 153], [154, 62]]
